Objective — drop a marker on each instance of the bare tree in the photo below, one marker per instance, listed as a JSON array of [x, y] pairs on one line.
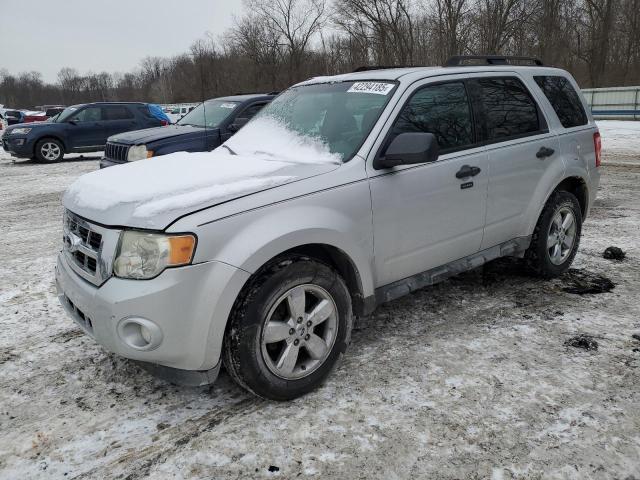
[[254, 38], [497, 21], [594, 37], [451, 25], [386, 27], [294, 23]]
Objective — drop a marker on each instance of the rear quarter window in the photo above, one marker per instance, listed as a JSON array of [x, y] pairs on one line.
[[564, 99], [144, 110]]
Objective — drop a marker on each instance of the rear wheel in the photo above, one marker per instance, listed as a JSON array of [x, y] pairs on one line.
[[556, 237], [288, 329], [49, 150]]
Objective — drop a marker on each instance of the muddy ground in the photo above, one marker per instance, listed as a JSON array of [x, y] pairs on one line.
[[479, 377]]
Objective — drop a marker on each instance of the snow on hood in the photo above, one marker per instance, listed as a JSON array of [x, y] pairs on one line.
[[152, 193], [266, 136]]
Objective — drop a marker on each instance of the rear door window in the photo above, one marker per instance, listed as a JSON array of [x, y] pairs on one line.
[[564, 100], [116, 112], [443, 110], [509, 109]]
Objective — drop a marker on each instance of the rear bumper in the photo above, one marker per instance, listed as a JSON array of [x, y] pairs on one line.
[[181, 307]]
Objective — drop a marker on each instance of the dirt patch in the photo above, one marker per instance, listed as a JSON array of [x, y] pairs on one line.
[[7, 355], [585, 342], [614, 253], [66, 336], [583, 282]]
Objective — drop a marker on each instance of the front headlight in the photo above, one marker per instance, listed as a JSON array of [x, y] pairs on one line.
[[138, 152], [143, 255], [20, 131]]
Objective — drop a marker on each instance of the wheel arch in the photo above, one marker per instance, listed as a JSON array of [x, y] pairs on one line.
[[343, 264], [578, 187], [52, 137]]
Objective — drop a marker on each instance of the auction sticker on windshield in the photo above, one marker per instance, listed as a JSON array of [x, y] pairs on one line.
[[379, 88], [228, 105]]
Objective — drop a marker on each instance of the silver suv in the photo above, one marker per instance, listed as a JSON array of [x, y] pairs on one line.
[[344, 193]]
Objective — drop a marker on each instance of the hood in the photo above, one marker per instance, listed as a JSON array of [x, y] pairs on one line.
[[148, 135], [153, 193], [28, 125]]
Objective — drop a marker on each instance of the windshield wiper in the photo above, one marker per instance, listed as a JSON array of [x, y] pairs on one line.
[[230, 151]]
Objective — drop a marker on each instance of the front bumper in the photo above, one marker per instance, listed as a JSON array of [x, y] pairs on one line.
[[18, 145], [186, 304], [109, 162]]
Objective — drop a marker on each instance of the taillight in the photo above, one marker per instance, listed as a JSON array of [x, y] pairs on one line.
[[164, 123], [597, 146]]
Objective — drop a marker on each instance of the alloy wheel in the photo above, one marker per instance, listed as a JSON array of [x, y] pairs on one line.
[[299, 332], [50, 151], [561, 236]]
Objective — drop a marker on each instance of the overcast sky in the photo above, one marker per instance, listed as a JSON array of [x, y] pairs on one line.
[[103, 35]]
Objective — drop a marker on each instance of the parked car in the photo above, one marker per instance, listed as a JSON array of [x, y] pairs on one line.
[[52, 111], [78, 129], [13, 117], [343, 193], [33, 116], [202, 129]]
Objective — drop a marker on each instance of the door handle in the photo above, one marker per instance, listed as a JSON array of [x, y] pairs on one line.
[[467, 171], [545, 152]]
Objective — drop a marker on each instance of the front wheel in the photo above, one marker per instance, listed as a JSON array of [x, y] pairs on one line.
[[49, 150], [556, 237], [288, 329]]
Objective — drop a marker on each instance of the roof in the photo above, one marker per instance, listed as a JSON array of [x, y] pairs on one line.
[[411, 74]]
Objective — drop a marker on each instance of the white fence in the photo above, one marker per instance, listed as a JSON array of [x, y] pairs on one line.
[[614, 102]]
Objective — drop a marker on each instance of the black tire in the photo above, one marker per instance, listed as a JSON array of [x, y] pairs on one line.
[[49, 150], [538, 256], [243, 348]]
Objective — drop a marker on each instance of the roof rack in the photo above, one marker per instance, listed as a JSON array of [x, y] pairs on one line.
[[481, 60], [366, 68]]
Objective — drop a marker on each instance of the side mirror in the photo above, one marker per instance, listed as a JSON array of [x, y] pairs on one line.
[[238, 124], [72, 122], [408, 149]]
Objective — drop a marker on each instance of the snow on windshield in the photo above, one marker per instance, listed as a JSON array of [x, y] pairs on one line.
[[265, 135], [174, 182]]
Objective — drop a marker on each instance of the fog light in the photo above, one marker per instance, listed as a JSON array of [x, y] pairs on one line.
[[139, 333], [19, 142]]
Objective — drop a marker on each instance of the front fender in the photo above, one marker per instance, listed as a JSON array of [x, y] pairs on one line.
[[250, 240], [339, 218]]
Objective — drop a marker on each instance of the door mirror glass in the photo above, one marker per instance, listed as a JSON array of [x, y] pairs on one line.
[[408, 149]]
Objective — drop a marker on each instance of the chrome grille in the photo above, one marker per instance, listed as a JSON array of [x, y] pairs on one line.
[[88, 248], [116, 151]]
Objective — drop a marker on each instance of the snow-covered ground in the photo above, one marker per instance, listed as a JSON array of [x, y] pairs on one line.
[[467, 379], [620, 137]]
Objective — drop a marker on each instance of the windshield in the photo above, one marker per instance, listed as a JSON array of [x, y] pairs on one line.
[[66, 114], [209, 114], [336, 117]]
